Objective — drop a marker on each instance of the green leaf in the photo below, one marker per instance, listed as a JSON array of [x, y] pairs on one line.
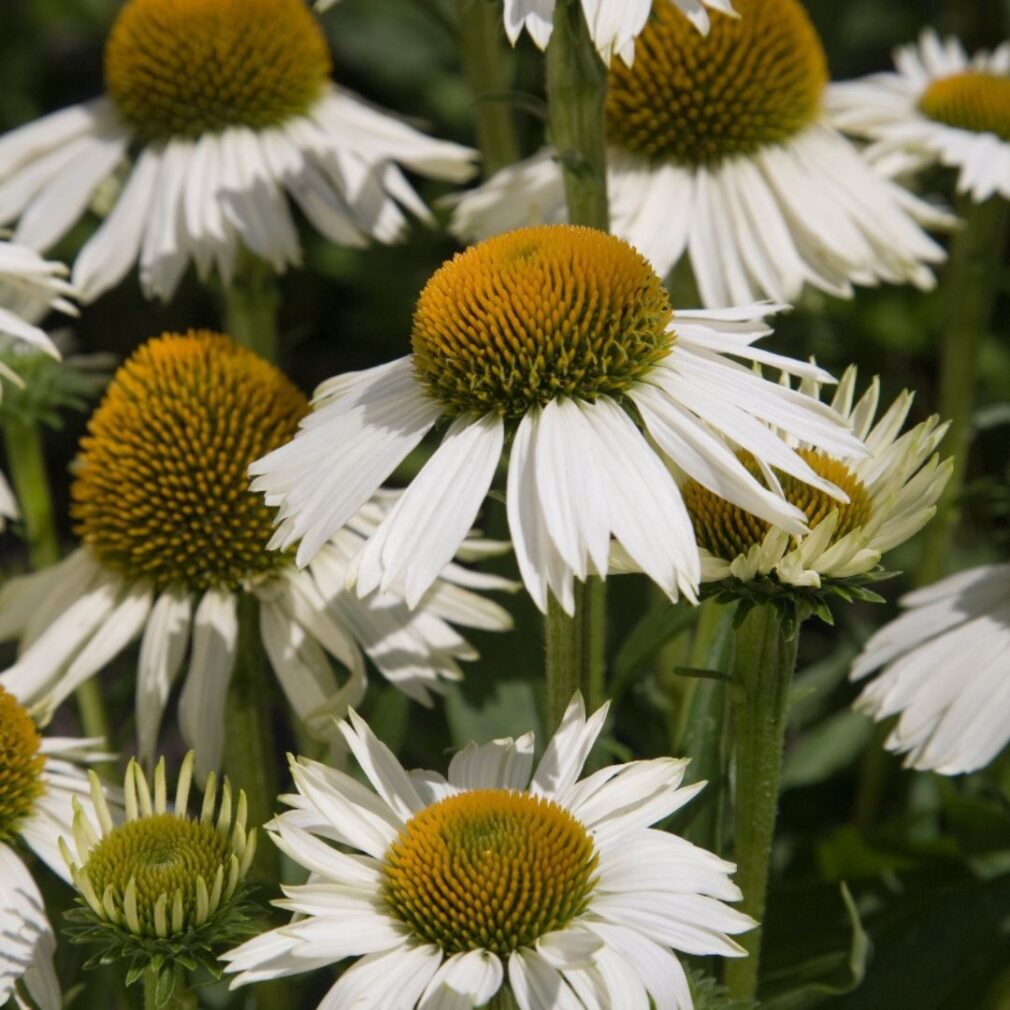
[[827, 748], [651, 633], [690, 671], [834, 974]]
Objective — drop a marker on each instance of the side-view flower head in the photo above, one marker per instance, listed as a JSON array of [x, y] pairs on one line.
[[892, 494], [938, 106], [40, 778], [223, 109], [944, 670], [174, 549], [161, 887], [547, 337], [720, 150], [30, 286], [496, 875]]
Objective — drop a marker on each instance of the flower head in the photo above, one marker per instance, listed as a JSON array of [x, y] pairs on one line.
[[563, 339], [186, 414], [454, 885], [939, 106], [29, 287], [40, 778], [719, 149], [162, 884], [942, 669], [230, 109], [891, 494], [173, 540], [188, 67]]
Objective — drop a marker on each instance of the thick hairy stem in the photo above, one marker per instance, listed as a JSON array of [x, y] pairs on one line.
[[486, 65], [575, 650], [576, 92], [249, 739], [251, 303], [763, 672], [970, 290]]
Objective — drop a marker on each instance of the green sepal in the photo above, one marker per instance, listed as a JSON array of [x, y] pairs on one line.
[[195, 949], [794, 604], [51, 386]]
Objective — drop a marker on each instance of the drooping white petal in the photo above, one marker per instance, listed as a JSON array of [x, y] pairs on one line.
[[162, 650], [430, 520], [201, 704]]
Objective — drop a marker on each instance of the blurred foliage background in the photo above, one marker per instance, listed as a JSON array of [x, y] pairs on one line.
[[927, 860]]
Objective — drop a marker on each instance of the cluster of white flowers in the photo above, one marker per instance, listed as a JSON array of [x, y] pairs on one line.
[[209, 496]]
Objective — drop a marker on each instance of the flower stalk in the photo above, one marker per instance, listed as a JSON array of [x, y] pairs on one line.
[[251, 304], [576, 94], [486, 66], [575, 649], [249, 738], [763, 668], [972, 283], [168, 990]]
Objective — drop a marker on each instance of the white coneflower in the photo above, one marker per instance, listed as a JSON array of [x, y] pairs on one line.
[[172, 540], [454, 888], [891, 493], [30, 286], [161, 888], [224, 109], [551, 336], [720, 149], [939, 106], [40, 777], [946, 672]]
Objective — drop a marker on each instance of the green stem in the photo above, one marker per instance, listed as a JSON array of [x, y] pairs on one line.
[[568, 639], [251, 303], [502, 999], [970, 291], [173, 994], [27, 462], [700, 733], [486, 66], [576, 650], [249, 739], [26, 459], [576, 92], [763, 670]]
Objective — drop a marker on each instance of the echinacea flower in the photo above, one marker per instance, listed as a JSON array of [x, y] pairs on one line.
[[613, 24], [39, 779], [30, 286], [162, 887], [174, 545], [454, 887], [939, 106], [720, 149], [892, 494], [548, 337], [224, 109], [944, 670]]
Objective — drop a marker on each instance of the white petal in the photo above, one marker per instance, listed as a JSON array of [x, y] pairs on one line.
[[202, 702], [162, 650], [430, 520]]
